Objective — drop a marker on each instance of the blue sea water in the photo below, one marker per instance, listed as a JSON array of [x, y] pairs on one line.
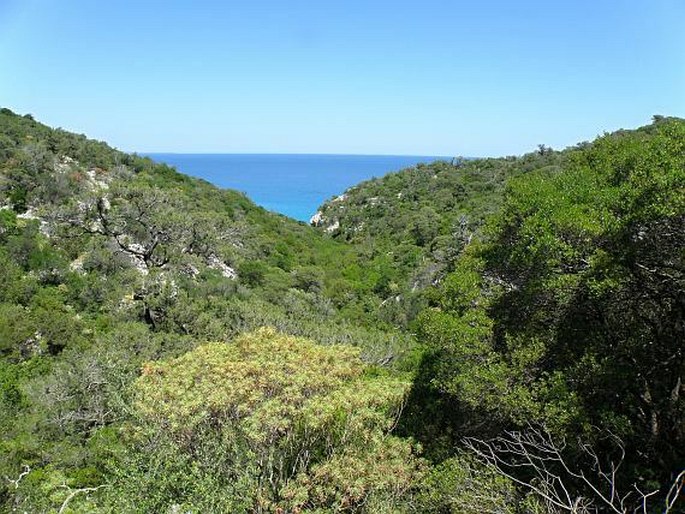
[[291, 184]]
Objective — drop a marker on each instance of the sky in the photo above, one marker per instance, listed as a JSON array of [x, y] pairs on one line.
[[469, 78]]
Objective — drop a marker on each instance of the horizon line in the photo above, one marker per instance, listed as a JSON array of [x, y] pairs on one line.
[[333, 154]]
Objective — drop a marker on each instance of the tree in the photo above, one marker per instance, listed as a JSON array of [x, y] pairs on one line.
[[576, 300], [284, 417]]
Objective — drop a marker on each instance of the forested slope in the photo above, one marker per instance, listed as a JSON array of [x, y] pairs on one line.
[[417, 221], [142, 225], [557, 318], [494, 335], [555, 350], [110, 260]]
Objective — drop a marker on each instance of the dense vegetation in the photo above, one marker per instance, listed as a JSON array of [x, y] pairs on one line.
[[571, 315], [494, 335], [418, 221], [110, 260]]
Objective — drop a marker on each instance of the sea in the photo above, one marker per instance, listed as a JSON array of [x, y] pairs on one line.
[[291, 184]]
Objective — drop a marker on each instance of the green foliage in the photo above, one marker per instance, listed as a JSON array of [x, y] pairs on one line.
[[253, 273], [570, 315], [414, 224], [296, 421], [463, 485], [220, 379], [543, 289], [110, 260]]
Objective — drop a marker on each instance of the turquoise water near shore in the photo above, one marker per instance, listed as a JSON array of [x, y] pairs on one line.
[[291, 184]]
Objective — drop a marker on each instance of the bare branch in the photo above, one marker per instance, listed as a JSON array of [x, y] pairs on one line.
[[674, 491], [74, 492], [517, 455], [27, 470]]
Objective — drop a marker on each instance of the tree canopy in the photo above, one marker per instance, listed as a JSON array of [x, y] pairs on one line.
[[481, 335]]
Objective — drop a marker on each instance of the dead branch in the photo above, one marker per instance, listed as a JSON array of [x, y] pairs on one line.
[[27, 470], [557, 482], [74, 492]]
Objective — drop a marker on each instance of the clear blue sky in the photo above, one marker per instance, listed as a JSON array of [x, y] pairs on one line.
[[389, 77]]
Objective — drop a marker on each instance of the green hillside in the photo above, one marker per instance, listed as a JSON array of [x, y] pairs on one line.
[[417, 221], [142, 226], [111, 260], [491, 335]]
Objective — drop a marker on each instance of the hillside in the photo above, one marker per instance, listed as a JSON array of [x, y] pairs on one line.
[[554, 350], [559, 288], [143, 226], [425, 207], [491, 335], [111, 260], [417, 221]]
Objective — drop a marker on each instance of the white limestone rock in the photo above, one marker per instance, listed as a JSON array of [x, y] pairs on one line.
[[215, 263]]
